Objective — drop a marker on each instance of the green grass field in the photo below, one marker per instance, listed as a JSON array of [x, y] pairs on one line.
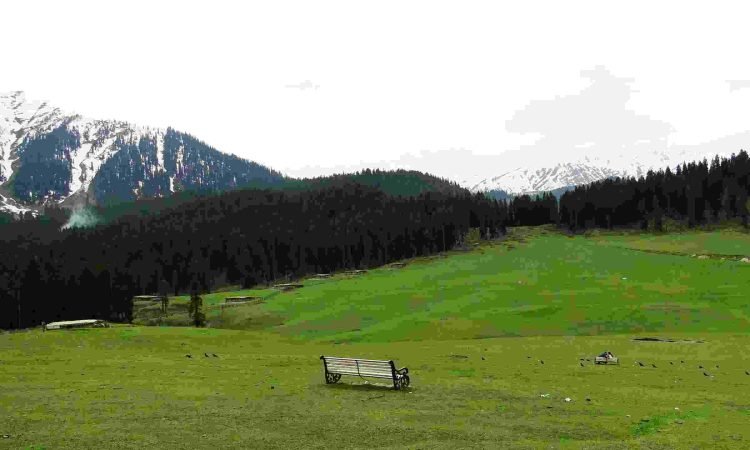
[[473, 329]]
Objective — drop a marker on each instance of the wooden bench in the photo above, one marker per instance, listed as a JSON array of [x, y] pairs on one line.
[[605, 360], [335, 367]]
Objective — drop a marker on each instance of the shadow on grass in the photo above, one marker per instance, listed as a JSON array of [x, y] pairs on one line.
[[365, 387]]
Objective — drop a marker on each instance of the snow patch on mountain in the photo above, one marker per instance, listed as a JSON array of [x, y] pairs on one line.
[[97, 145], [22, 119], [160, 151], [10, 206], [540, 177]]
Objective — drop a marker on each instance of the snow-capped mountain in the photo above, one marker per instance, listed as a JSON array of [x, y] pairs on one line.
[[538, 177], [528, 181], [47, 156]]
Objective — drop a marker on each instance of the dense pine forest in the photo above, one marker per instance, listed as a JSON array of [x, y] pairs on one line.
[[249, 237], [694, 193]]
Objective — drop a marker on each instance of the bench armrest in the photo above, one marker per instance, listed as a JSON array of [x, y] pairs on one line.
[[402, 371]]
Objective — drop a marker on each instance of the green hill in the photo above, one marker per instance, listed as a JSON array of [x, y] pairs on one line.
[[536, 282]]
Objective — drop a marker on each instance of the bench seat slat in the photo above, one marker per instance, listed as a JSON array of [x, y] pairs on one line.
[[362, 371], [373, 375], [361, 366], [348, 370], [378, 369], [334, 358]]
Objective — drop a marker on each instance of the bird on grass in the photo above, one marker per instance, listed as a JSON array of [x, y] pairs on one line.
[[188, 356], [542, 362], [717, 366], [640, 364], [482, 358], [682, 362], [214, 355], [706, 374], [581, 364], [205, 354], [653, 365], [747, 373], [700, 367], [671, 363]]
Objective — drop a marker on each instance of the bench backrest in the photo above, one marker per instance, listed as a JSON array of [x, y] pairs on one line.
[[362, 367]]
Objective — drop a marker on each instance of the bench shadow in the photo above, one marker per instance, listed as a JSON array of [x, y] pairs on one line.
[[364, 387]]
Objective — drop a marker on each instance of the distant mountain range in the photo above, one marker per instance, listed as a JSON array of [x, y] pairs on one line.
[[48, 156], [51, 157], [534, 175]]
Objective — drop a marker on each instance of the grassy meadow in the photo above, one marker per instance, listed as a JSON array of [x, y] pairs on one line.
[[495, 338]]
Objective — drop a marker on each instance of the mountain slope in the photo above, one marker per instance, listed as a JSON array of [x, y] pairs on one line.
[[530, 181], [531, 176], [47, 156]]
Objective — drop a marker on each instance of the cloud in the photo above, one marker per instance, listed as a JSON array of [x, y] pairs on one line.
[[461, 165], [596, 121], [736, 85], [307, 84]]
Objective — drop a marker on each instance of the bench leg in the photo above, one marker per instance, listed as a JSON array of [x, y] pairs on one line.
[[332, 378], [401, 382]]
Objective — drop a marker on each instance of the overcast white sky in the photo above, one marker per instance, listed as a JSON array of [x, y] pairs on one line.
[[439, 86]]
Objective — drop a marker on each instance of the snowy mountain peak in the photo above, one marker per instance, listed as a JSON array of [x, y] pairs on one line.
[[588, 168], [48, 156], [528, 181]]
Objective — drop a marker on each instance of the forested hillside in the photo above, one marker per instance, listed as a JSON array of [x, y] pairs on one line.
[[698, 192], [246, 236]]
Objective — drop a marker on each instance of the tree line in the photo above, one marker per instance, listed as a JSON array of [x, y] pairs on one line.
[[246, 237], [694, 193]]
